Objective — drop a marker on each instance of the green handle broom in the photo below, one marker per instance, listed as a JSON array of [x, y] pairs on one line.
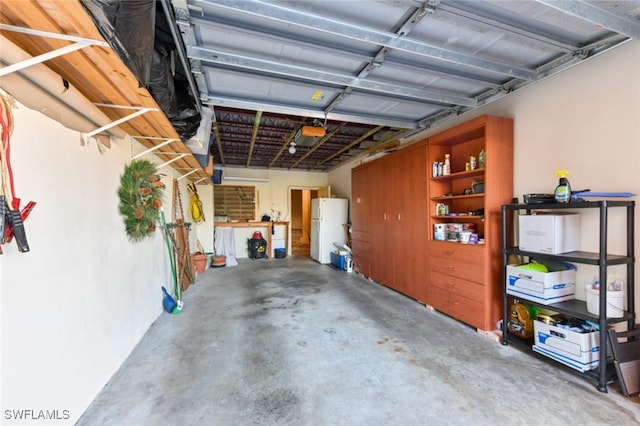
[[176, 288]]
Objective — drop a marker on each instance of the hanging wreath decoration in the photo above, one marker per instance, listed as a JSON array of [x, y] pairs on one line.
[[140, 195]]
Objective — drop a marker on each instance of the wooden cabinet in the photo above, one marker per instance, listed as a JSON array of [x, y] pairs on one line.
[[457, 282], [381, 221], [465, 279], [396, 213], [360, 220], [409, 242]]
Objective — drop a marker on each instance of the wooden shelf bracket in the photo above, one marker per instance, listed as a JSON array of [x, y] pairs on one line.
[[77, 44], [167, 141], [187, 174], [139, 111]]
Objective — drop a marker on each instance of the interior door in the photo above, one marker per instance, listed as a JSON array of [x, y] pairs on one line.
[[300, 213]]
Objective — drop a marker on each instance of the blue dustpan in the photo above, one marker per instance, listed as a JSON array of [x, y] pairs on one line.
[[168, 302]]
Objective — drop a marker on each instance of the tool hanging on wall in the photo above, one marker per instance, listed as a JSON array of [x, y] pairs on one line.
[[173, 306], [184, 265], [195, 205], [11, 217]]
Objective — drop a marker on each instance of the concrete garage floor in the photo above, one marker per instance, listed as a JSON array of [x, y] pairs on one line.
[[292, 342]]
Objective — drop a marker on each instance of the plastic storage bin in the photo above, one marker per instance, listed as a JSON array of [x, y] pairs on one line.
[[339, 261], [615, 302]]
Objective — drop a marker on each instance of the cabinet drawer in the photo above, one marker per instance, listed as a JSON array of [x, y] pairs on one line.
[[359, 236], [457, 286], [463, 253], [361, 257], [362, 266], [360, 247], [463, 309], [457, 268]]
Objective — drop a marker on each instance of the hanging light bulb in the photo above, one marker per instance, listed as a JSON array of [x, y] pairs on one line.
[[292, 148]]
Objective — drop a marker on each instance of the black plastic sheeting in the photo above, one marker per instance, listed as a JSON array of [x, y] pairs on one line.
[[138, 31], [129, 27]]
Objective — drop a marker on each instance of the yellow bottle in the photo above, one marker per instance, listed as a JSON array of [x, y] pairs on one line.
[[563, 190]]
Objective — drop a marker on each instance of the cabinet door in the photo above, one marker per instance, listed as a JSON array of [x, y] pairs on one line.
[[360, 219], [360, 199], [409, 222], [382, 253]]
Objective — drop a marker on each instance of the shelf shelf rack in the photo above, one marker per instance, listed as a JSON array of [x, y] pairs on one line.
[[601, 258]]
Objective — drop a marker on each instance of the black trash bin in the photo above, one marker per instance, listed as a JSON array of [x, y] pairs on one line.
[[257, 246]]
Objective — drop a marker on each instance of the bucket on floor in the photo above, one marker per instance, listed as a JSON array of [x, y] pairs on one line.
[[615, 302], [280, 253], [200, 262], [218, 261]]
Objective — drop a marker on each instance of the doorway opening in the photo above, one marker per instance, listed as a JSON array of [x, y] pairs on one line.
[[301, 220]]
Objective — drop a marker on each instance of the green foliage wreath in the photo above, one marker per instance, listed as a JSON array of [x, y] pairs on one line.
[[140, 195]]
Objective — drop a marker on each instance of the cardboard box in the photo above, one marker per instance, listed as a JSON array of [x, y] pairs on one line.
[[541, 287], [579, 351], [549, 233]]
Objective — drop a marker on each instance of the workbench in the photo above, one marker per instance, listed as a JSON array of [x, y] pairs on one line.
[[260, 226]]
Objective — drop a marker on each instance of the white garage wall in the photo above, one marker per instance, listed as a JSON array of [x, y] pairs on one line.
[[204, 229], [75, 305], [585, 120]]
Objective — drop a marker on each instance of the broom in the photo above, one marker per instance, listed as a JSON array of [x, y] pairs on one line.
[[177, 308]]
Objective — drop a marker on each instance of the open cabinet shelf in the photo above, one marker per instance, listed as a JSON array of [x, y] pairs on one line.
[[464, 277]]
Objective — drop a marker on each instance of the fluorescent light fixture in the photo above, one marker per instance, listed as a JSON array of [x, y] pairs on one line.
[[245, 179]]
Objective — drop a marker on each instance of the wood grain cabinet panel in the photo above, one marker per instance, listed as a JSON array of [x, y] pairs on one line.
[[361, 253], [465, 264], [457, 286], [466, 310], [394, 201], [360, 220], [462, 253], [394, 208]]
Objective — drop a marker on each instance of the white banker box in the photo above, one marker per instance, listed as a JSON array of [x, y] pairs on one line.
[[549, 233], [579, 351], [542, 287]]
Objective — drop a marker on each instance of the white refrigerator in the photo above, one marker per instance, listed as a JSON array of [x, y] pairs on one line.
[[327, 217]]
